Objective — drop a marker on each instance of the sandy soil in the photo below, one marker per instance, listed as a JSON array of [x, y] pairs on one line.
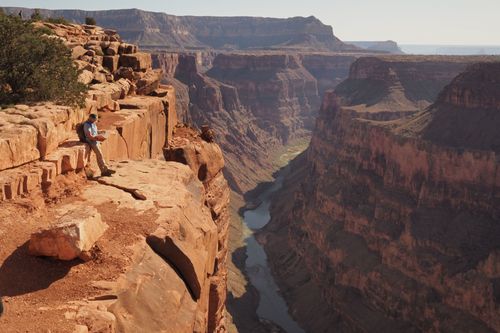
[[36, 291]]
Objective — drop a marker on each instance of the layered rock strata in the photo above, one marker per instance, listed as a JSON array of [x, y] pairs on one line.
[[160, 264], [255, 103], [197, 32], [394, 86], [388, 228]]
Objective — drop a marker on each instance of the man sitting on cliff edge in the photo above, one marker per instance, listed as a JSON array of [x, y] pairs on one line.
[[94, 137]]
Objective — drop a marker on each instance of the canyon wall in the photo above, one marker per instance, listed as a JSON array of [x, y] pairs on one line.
[[255, 102], [392, 86], [155, 234], [381, 226], [329, 70], [151, 29]]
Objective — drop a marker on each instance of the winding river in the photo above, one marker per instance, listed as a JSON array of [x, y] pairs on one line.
[[272, 306]]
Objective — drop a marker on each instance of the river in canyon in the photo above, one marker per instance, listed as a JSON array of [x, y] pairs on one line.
[[272, 306]]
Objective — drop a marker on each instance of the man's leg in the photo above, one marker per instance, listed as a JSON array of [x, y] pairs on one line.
[[100, 159]]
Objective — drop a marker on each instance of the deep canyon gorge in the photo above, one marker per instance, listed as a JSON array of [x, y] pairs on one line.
[[343, 189]]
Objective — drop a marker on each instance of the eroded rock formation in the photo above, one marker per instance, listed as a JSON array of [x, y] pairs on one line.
[[153, 236], [392, 86], [195, 32], [386, 227], [256, 102]]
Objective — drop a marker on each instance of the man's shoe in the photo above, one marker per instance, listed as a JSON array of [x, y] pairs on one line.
[[107, 173], [112, 171]]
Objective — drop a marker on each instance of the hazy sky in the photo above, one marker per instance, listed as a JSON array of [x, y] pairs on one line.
[[405, 21]]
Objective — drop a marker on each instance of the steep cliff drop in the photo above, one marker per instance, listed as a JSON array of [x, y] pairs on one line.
[[142, 251], [256, 103], [393, 225]]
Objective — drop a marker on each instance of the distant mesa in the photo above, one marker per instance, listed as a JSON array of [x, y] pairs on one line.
[[160, 30], [387, 46]]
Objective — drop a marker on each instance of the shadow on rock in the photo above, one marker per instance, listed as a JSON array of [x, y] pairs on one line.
[[22, 274]]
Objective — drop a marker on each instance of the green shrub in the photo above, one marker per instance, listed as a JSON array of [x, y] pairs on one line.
[[34, 67], [90, 20]]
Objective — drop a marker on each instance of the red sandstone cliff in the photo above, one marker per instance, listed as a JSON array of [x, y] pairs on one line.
[[254, 102], [388, 228], [154, 235]]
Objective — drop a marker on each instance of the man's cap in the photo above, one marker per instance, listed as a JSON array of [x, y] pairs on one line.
[[93, 116]]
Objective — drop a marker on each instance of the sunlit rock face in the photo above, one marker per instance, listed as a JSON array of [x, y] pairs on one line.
[[144, 250]]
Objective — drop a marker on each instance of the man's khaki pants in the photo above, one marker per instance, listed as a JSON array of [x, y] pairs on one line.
[[96, 148]]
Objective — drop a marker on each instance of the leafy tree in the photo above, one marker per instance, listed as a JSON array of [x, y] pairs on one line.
[[35, 67], [90, 20]]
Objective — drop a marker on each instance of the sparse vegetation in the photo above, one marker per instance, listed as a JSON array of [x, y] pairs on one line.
[[90, 20], [56, 20], [36, 16], [35, 67]]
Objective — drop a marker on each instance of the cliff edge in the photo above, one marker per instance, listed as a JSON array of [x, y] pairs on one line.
[[152, 239]]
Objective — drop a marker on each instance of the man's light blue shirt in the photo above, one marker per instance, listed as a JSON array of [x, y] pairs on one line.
[[91, 128]]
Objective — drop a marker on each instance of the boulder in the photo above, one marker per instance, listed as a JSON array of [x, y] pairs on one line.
[[125, 73], [126, 48], [111, 62], [138, 61], [149, 82], [105, 44], [97, 60], [103, 99], [78, 51], [160, 92], [72, 236], [86, 77], [100, 77], [117, 90], [112, 49]]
